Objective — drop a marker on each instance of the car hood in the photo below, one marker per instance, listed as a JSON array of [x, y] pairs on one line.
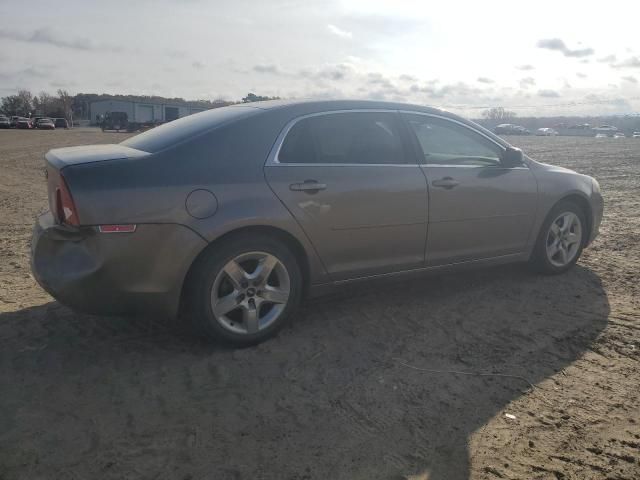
[[535, 165], [545, 172]]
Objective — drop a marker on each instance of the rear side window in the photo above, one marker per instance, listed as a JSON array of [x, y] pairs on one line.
[[447, 143], [344, 138], [177, 131]]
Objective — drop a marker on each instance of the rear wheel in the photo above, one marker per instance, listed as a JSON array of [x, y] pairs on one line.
[[561, 239], [244, 290]]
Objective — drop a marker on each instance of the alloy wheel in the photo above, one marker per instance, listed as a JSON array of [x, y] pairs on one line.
[[250, 292], [564, 239]]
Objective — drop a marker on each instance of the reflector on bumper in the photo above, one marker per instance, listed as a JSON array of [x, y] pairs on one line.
[[117, 228]]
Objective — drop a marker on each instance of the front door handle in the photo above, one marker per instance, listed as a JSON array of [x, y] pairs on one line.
[[446, 182], [309, 186]]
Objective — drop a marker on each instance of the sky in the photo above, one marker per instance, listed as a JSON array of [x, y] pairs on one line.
[[536, 58]]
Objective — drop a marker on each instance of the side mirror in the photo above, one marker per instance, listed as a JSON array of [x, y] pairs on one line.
[[512, 157]]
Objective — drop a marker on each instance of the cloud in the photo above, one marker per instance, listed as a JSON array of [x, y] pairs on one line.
[[548, 93], [525, 67], [630, 79], [339, 32], [328, 72], [613, 103], [458, 90], [408, 78], [47, 36], [270, 68], [485, 80], [581, 75], [197, 65], [527, 82], [375, 25], [631, 62], [376, 78], [335, 72], [176, 53], [558, 45], [65, 84], [34, 73], [608, 59]]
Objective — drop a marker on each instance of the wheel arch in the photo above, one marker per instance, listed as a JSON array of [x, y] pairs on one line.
[[265, 230]]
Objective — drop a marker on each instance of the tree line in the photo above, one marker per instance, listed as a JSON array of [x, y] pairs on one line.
[[25, 104], [63, 105]]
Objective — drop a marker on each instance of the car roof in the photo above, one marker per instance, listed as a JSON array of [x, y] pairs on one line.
[[311, 106], [271, 111], [299, 107], [336, 104]]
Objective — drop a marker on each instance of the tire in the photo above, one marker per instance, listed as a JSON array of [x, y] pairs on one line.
[[542, 259], [216, 279]]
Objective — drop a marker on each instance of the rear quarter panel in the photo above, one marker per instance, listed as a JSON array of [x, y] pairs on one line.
[[228, 162]]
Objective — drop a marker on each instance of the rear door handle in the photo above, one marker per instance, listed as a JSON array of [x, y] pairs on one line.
[[309, 186], [446, 182]]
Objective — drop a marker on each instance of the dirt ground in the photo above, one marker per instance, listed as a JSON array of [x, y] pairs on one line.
[[334, 396]]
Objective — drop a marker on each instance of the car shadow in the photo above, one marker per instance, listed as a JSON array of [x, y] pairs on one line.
[[333, 396]]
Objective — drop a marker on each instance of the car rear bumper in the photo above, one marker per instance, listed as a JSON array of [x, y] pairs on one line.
[[116, 273]]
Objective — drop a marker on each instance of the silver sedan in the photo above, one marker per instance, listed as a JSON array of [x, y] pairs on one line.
[[235, 214]]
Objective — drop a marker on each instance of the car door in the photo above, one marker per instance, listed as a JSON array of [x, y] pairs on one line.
[[479, 208], [347, 179]]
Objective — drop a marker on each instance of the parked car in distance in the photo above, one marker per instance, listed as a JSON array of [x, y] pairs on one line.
[[510, 129], [4, 122], [192, 216], [23, 123], [619, 135], [546, 132], [520, 130], [606, 129], [601, 135], [636, 135], [60, 123], [14, 121], [45, 124]]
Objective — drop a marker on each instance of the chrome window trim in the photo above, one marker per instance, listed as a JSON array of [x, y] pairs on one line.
[[278, 164], [499, 167], [457, 122], [272, 158]]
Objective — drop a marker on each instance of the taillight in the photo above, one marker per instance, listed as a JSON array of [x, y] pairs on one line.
[[65, 208]]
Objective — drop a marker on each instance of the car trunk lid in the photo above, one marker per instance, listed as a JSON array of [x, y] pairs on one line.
[[62, 157]]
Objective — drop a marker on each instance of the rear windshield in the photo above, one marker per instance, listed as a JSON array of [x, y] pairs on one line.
[[174, 132]]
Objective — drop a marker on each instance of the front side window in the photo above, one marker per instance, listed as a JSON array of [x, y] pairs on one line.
[[446, 143], [344, 138]]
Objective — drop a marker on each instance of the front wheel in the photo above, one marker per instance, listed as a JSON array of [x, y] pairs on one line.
[[561, 239], [245, 290]]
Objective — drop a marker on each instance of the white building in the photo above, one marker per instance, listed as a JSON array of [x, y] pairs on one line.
[[140, 112]]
